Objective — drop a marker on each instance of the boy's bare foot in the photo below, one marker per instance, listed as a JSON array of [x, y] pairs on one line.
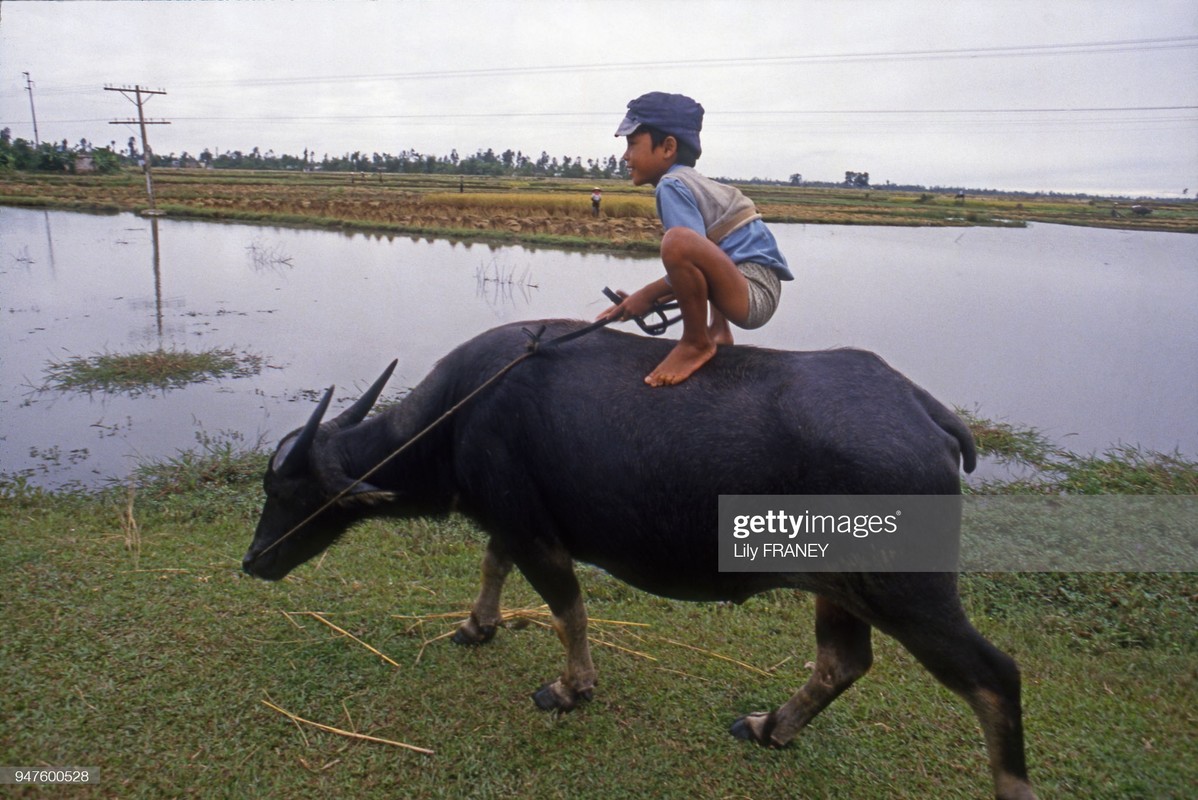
[[682, 362]]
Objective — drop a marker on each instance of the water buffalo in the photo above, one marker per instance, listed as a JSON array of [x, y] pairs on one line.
[[570, 456]]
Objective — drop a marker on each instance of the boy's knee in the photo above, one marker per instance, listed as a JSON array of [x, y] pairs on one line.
[[680, 237], [679, 244]]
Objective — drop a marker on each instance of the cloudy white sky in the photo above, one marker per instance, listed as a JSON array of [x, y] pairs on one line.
[[1062, 95]]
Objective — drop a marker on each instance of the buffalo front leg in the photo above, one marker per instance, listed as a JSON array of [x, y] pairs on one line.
[[577, 682], [843, 655], [485, 615], [550, 570]]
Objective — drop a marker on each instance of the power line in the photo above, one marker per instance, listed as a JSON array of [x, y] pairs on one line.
[[1005, 51], [1118, 116], [1014, 51], [607, 114], [716, 112], [1064, 109]]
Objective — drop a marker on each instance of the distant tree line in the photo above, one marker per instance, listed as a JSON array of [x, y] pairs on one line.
[[21, 154], [483, 162]]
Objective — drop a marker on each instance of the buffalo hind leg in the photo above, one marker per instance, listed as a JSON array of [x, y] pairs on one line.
[[988, 679], [485, 615], [843, 655]]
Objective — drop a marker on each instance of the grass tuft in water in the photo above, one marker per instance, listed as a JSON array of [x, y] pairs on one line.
[[1008, 442], [1122, 469], [135, 373]]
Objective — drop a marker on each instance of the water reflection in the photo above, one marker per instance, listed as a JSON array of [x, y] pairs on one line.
[[498, 283], [49, 243], [157, 279], [265, 257], [1090, 336]]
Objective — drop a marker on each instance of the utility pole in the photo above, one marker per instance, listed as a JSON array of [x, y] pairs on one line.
[[29, 88], [135, 95]]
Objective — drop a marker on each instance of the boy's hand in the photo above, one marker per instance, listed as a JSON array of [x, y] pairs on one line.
[[617, 312], [632, 305]]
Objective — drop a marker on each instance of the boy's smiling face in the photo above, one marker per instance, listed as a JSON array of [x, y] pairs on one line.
[[646, 163]]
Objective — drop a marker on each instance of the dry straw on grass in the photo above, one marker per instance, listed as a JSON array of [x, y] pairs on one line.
[[350, 734], [317, 616], [602, 633], [130, 528], [540, 616]]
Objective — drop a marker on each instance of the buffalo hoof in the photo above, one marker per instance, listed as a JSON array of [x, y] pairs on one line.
[[470, 633], [555, 697], [755, 727]]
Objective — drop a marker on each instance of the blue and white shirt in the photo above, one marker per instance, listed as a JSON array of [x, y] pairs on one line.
[[690, 200]]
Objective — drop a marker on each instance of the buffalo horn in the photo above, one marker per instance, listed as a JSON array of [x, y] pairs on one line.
[[361, 407], [297, 454]]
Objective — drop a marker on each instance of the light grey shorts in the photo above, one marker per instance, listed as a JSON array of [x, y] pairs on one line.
[[765, 290]]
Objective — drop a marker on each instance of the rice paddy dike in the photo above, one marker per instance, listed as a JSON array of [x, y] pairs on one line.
[[543, 211]]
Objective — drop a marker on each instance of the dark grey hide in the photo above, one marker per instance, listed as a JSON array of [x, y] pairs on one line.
[[570, 456]]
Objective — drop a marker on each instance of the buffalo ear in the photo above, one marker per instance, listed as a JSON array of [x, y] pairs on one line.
[[366, 495], [360, 492], [361, 407], [293, 457]]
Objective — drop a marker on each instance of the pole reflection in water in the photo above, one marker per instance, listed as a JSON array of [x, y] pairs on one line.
[[157, 260]]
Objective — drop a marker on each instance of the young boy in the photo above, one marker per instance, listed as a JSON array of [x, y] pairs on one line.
[[715, 250]]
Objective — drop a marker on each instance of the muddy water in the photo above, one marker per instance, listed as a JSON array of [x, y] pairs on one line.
[[1091, 336]]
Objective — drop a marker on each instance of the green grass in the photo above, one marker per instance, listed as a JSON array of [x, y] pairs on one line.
[[135, 373], [131, 641]]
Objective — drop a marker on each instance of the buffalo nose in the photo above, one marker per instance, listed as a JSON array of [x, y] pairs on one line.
[[247, 563]]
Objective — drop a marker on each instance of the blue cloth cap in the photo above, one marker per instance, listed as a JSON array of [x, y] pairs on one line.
[[676, 114]]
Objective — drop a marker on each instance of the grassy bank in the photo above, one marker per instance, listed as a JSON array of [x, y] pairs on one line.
[[130, 641], [544, 211]]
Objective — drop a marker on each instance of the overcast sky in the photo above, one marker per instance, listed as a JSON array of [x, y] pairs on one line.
[[1060, 95]]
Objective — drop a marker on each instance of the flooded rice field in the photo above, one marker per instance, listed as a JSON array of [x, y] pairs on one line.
[[1089, 335]]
